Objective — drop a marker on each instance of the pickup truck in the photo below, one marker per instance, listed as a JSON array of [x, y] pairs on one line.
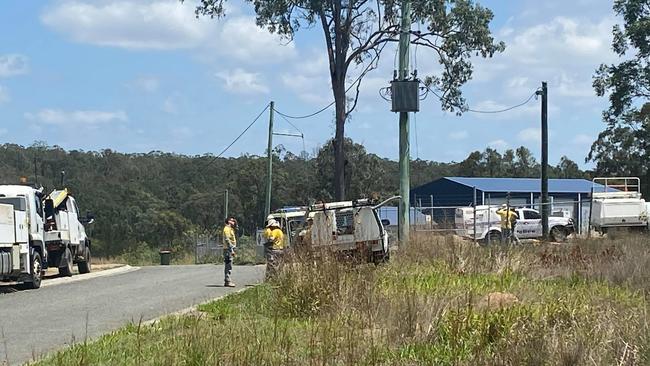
[[528, 226]]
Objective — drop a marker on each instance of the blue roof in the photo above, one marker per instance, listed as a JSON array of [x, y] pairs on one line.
[[524, 185]]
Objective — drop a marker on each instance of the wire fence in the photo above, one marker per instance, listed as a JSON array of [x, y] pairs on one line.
[[207, 249], [478, 221]]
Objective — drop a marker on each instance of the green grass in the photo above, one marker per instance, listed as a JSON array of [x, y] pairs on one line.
[[583, 303]]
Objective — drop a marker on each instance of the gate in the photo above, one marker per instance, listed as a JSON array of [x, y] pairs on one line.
[[208, 250]]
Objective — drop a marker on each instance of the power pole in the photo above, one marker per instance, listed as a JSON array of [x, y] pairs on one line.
[[269, 173], [225, 204], [404, 142], [545, 203]]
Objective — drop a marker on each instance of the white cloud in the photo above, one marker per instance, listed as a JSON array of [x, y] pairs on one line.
[[243, 40], [81, 117], [4, 95], [459, 135], [531, 134], [13, 64], [574, 39], [148, 84], [498, 144], [242, 82], [165, 25], [129, 24]]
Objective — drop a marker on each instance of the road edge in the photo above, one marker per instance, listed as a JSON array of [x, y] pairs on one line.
[[82, 277]]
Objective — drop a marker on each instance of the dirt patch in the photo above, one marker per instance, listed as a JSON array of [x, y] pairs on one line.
[[497, 300]]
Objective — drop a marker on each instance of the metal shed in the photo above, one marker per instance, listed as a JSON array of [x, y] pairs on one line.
[[569, 197]]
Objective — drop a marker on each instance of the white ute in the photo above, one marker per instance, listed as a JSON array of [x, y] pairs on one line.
[[617, 203], [22, 251], [528, 226]]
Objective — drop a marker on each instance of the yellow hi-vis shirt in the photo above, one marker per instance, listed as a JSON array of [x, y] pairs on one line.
[[507, 217], [229, 238], [276, 236]]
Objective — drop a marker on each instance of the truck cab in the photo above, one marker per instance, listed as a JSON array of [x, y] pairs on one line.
[[291, 219], [65, 235], [23, 255]]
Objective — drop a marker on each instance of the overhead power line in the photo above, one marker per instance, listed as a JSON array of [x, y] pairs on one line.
[[357, 80], [238, 137], [484, 111]]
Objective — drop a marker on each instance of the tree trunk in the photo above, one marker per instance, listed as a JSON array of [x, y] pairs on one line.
[[338, 87]]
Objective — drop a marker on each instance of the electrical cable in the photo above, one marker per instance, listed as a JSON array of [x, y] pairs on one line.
[[302, 135], [358, 79], [486, 112], [238, 137]]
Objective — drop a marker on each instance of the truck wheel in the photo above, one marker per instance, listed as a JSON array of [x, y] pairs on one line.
[[558, 234], [84, 266], [37, 273], [494, 238], [67, 269]]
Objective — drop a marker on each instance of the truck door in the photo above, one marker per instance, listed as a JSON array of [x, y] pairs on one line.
[[530, 225], [73, 221], [36, 218]]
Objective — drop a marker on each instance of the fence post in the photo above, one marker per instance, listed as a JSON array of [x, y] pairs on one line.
[[475, 239], [489, 201]]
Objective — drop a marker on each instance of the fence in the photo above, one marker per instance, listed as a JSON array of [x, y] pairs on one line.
[[207, 249], [475, 221]]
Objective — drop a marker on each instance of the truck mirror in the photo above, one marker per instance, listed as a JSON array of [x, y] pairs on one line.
[[385, 222], [89, 219]]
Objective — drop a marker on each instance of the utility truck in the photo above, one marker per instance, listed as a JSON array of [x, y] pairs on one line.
[[291, 220], [352, 227], [528, 225], [23, 255], [617, 203], [65, 235], [37, 232]]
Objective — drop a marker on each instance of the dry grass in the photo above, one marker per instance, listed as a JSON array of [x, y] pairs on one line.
[[583, 303]]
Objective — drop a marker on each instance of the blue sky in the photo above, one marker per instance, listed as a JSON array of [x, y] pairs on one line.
[[143, 75]]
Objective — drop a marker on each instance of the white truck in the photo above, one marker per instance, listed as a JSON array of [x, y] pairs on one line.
[[351, 227], [528, 225], [65, 235], [291, 220], [617, 203], [23, 254]]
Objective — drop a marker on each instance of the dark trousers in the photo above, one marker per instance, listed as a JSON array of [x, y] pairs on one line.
[[227, 265]]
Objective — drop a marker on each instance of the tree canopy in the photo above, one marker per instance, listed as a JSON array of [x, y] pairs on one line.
[[356, 32], [623, 148], [161, 199]]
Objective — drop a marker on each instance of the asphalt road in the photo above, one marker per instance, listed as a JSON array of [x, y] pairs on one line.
[[35, 322]]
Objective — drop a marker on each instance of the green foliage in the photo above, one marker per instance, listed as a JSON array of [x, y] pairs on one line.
[[426, 307], [623, 148], [159, 200]]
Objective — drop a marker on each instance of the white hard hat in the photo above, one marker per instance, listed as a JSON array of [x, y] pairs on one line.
[[272, 223]]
